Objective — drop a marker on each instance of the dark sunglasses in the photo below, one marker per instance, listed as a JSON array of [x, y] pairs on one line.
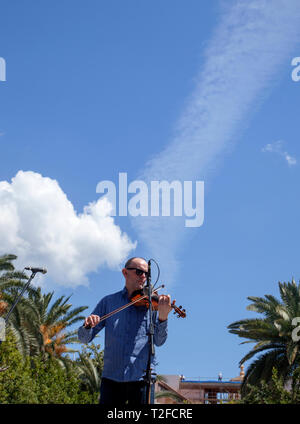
[[139, 272]]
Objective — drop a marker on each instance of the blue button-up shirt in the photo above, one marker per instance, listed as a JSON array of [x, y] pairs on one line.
[[126, 337]]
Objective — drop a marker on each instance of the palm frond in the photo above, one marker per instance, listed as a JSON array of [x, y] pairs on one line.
[[272, 333]]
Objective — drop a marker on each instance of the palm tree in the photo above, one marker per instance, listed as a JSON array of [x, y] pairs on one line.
[[48, 323], [38, 327], [11, 281], [8, 276], [88, 373], [5, 262], [90, 365], [272, 335]]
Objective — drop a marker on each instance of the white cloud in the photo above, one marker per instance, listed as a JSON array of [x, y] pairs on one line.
[[250, 44], [39, 224], [290, 160], [277, 147]]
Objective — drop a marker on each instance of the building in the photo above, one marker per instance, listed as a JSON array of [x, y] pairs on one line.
[[178, 389]]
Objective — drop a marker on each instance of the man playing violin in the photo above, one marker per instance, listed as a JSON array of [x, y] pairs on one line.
[[126, 348]]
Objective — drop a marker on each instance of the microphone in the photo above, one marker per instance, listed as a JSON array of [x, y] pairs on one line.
[[42, 270], [149, 273]]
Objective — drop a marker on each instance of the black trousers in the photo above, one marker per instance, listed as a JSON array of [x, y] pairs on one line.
[[128, 393]]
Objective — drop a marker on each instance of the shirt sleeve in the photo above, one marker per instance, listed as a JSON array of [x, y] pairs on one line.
[[86, 335], [160, 331]]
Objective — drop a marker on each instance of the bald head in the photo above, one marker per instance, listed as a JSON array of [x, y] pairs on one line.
[[131, 260], [135, 274]]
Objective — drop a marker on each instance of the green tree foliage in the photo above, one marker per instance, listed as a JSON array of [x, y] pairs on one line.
[[90, 364], [273, 392], [38, 322], [48, 323], [35, 366], [272, 335], [35, 380], [10, 282]]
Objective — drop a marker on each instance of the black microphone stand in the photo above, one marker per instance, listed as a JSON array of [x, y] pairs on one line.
[[18, 298], [149, 378]]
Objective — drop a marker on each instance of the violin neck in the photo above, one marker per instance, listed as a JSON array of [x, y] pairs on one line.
[[121, 308]]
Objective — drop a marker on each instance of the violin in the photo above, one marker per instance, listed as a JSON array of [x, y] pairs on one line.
[[139, 298]]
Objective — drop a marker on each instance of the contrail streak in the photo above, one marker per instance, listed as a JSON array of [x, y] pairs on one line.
[[242, 60]]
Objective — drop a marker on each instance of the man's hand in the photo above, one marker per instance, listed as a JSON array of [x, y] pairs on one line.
[[164, 307], [91, 321]]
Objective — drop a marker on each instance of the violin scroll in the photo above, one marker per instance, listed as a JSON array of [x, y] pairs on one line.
[[178, 310]]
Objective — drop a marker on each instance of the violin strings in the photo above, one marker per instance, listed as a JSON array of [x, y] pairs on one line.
[[131, 303], [121, 308]]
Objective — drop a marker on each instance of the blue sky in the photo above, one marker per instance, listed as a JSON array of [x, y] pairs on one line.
[[176, 90]]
